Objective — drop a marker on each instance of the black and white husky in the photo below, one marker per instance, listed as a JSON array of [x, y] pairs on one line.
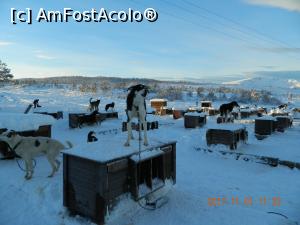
[[136, 107]]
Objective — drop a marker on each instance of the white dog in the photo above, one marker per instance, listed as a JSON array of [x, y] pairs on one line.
[[29, 147]]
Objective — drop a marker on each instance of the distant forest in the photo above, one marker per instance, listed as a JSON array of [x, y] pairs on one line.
[[171, 90]]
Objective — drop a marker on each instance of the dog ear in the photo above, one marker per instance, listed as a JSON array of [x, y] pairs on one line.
[[130, 88]]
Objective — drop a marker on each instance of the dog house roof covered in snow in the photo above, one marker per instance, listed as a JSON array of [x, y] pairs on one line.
[[158, 100], [23, 122]]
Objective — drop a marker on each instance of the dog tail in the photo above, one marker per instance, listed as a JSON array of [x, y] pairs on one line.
[[91, 100], [70, 145]]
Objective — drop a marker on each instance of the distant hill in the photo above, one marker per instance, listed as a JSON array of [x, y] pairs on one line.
[[281, 82]]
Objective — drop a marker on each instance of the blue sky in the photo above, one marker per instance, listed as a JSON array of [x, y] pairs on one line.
[[191, 39]]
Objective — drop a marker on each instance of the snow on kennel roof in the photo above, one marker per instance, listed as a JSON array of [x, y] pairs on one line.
[[205, 101], [158, 100], [113, 148], [195, 114], [224, 126], [278, 111], [246, 110], [266, 118], [22, 122]]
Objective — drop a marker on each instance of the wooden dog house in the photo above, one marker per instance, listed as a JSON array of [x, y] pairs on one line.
[[206, 104], [57, 115], [226, 134], [95, 177], [212, 111], [74, 118], [158, 103], [164, 111], [284, 122], [245, 113], [109, 115], [193, 120], [178, 113], [160, 106], [265, 125]]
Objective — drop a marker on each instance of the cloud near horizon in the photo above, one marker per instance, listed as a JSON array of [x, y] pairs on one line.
[[279, 50], [41, 55], [5, 43], [291, 5]]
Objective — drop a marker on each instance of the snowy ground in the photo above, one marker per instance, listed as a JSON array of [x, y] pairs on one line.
[[201, 178]]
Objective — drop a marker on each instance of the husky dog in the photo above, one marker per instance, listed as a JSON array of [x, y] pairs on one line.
[[136, 107], [227, 108], [283, 106], [91, 137], [29, 147], [94, 105], [111, 105]]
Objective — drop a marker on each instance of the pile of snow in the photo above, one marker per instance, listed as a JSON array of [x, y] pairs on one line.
[[21, 122], [226, 126], [195, 114], [278, 111], [179, 108], [266, 118], [158, 100], [294, 83]]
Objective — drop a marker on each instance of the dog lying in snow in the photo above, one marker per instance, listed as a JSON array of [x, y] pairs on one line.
[[92, 137], [29, 147]]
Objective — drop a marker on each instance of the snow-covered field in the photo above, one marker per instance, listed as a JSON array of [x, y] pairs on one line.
[[245, 193]]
